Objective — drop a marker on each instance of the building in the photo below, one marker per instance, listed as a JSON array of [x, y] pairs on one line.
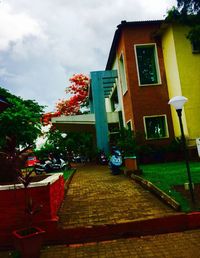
[[149, 62], [182, 66], [136, 53]]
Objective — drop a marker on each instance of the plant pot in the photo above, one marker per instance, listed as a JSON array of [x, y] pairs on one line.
[[28, 241], [131, 163]]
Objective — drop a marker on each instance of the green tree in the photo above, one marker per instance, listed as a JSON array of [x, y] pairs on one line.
[[73, 142], [188, 6], [19, 127], [187, 12], [127, 142], [21, 121]]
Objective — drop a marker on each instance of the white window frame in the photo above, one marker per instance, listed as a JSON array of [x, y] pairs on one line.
[[156, 63], [129, 121], [166, 124], [122, 74]]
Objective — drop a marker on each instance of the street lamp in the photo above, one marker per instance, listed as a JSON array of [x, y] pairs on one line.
[[178, 103]]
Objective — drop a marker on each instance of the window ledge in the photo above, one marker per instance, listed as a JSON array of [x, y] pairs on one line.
[[146, 85], [161, 138], [196, 52]]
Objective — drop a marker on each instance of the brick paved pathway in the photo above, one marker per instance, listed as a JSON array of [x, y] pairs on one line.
[[96, 197], [173, 245]]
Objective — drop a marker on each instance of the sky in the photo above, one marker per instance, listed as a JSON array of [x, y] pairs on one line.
[[43, 43]]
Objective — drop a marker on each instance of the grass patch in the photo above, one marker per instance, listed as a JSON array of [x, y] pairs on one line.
[[167, 175], [66, 173]]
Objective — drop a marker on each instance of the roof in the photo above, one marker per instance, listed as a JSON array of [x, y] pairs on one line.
[[84, 122], [3, 103], [117, 34]]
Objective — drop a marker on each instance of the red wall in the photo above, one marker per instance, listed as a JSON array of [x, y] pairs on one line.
[[12, 207], [142, 101]]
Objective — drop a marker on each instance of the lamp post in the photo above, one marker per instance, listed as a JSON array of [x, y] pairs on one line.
[[178, 103]]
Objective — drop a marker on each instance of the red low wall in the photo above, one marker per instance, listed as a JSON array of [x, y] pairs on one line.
[[49, 195]]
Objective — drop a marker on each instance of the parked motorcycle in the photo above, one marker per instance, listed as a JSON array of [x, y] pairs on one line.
[[49, 166], [115, 162], [102, 159]]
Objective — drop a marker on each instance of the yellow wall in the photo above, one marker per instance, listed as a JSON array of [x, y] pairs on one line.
[[183, 78], [189, 70]]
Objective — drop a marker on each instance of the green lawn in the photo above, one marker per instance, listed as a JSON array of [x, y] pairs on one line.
[[166, 175], [67, 173]]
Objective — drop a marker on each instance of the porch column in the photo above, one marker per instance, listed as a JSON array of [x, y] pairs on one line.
[[101, 122]]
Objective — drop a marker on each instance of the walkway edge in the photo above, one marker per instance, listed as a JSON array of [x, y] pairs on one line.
[[161, 225], [154, 189]]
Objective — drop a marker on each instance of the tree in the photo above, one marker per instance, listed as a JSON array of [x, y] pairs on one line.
[[20, 121], [188, 6], [74, 142], [188, 13], [19, 127], [72, 106], [79, 91], [126, 141]]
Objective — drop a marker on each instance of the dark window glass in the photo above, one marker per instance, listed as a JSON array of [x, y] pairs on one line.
[[114, 100], [129, 126], [196, 47], [155, 127], [147, 64]]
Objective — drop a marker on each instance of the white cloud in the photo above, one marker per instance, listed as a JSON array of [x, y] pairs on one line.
[[15, 26], [43, 43]]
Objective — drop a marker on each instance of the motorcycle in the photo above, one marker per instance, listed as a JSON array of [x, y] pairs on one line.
[[49, 166], [102, 158], [115, 162]]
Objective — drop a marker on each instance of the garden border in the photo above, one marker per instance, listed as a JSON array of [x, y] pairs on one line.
[[155, 190], [68, 181]]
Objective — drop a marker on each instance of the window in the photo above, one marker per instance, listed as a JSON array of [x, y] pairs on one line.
[[147, 64], [114, 100], [113, 128], [156, 127], [129, 125], [122, 74], [196, 47]]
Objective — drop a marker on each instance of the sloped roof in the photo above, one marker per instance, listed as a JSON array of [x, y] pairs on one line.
[[117, 34]]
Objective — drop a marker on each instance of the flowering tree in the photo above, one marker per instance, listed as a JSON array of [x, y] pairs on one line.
[[72, 106]]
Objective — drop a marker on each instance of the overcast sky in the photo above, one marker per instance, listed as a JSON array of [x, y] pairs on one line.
[[44, 42]]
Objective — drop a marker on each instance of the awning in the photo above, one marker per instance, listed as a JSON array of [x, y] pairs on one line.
[[81, 123], [76, 123]]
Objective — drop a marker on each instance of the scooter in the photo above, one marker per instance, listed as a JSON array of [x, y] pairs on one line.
[[115, 162]]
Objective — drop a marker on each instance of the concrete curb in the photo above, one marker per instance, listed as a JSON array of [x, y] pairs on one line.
[[155, 190]]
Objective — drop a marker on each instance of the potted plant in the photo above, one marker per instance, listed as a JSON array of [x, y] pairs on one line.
[[127, 143], [20, 126], [28, 240]]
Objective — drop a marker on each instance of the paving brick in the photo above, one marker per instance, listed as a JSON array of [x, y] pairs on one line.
[[95, 197], [172, 245]]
